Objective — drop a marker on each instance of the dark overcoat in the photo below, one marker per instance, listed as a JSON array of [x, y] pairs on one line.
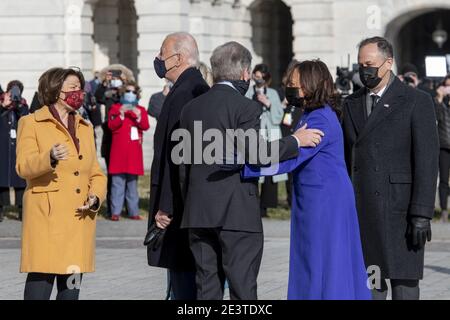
[[392, 158], [8, 133], [165, 190]]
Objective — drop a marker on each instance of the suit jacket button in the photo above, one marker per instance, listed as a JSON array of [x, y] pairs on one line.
[[78, 191], [376, 169], [377, 193], [80, 157]]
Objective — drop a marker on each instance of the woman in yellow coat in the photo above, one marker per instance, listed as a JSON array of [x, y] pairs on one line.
[[65, 186]]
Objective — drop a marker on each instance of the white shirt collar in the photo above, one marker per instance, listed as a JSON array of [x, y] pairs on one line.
[[380, 93], [227, 83]]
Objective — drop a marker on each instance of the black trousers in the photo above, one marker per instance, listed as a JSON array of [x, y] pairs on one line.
[[401, 290], [39, 286], [269, 193], [224, 254], [444, 168]]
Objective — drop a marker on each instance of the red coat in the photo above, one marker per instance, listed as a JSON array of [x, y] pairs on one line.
[[126, 154]]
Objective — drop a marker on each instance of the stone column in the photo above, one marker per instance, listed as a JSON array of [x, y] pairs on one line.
[[156, 19], [313, 30]]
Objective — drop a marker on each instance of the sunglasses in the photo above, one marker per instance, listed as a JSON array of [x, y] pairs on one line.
[[131, 91]]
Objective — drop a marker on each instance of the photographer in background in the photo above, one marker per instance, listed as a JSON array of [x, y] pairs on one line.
[[410, 75], [92, 107], [12, 108], [107, 94], [127, 121], [271, 118], [442, 101]]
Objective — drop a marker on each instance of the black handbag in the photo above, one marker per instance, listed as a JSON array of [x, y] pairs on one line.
[[154, 237]]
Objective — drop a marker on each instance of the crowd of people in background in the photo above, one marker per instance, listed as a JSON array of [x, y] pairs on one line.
[[110, 103], [106, 95]]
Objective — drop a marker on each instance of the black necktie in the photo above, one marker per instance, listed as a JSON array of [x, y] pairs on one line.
[[375, 99]]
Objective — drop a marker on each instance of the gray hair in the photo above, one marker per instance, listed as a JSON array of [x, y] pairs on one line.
[[229, 60], [186, 45]]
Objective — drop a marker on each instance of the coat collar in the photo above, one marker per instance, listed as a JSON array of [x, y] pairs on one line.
[[43, 114], [389, 102], [186, 76]]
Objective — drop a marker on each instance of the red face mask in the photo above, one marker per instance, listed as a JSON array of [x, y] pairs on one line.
[[74, 99]]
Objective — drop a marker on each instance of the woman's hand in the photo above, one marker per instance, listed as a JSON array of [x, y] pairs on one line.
[[264, 100], [137, 112], [162, 219], [59, 152], [90, 204]]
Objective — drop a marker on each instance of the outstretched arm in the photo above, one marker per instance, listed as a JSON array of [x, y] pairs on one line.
[[316, 121]]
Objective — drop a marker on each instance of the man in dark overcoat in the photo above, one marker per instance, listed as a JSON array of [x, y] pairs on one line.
[[177, 63], [392, 152]]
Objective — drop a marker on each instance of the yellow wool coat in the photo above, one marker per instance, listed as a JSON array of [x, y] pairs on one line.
[[55, 237]]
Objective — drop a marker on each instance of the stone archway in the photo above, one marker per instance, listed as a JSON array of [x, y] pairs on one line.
[[272, 36], [410, 29], [115, 34]]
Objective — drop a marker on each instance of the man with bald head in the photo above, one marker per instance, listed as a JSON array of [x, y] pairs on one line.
[[177, 62]]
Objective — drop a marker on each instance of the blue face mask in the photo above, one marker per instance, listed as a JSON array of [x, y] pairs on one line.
[[129, 98]]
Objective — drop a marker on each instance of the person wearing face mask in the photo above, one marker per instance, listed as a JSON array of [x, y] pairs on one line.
[[12, 108], [392, 149], [127, 121], [221, 210], [326, 260], [291, 117], [271, 118], [106, 95], [92, 106], [442, 101], [177, 62], [65, 188]]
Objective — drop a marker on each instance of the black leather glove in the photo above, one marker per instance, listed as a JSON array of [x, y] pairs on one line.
[[419, 230]]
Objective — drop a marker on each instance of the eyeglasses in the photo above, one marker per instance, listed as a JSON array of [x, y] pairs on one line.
[[131, 91]]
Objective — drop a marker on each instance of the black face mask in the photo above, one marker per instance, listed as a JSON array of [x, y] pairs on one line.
[[293, 98], [241, 86], [160, 66], [369, 76]]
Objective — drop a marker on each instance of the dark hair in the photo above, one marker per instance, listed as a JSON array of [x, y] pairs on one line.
[[447, 77], [408, 68], [384, 46], [51, 82], [317, 85], [15, 83], [123, 89], [264, 69]]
